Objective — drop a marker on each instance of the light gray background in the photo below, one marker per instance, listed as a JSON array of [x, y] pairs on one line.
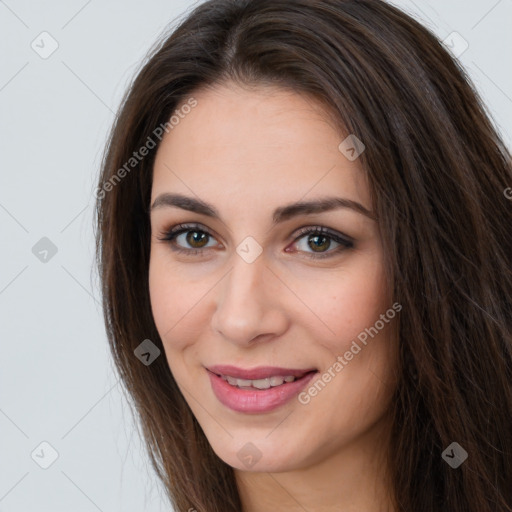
[[56, 379]]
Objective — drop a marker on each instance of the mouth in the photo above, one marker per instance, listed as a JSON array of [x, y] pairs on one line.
[[261, 384], [258, 390]]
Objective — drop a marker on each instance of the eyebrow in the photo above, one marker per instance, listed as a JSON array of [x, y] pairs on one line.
[[280, 214]]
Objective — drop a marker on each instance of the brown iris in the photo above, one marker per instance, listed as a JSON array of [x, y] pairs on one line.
[[197, 237], [315, 246]]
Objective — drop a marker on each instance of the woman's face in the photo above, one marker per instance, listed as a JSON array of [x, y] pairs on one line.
[[252, 289]]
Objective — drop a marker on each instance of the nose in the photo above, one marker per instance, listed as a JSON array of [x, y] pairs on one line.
[[250, 305]]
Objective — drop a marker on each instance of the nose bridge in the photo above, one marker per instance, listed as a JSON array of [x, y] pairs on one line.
[[244, 310], [244, 290]]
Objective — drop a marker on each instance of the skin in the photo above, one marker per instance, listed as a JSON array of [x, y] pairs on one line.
[[248, 151]]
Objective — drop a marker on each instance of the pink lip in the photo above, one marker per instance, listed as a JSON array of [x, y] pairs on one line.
[[257, 401]]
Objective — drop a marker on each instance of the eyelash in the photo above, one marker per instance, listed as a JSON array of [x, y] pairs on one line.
[[171, 234]]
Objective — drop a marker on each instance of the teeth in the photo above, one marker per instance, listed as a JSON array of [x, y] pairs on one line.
[[277, 381], [231, 380], [259, 383]]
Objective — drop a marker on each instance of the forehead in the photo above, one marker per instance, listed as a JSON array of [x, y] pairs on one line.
[[262, 146]]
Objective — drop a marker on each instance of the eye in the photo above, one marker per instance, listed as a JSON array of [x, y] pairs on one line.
[[319, 239], [316, 238], [193, 234]]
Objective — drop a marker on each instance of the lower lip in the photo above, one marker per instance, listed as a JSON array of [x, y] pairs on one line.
[[257, 401]]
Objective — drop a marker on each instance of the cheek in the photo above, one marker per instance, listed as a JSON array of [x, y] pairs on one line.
[[176, 307], [173, 298], [181, 302], [345, 300]]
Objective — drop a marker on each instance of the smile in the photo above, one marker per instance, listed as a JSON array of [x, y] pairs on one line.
[[258, 383], [241, 391]]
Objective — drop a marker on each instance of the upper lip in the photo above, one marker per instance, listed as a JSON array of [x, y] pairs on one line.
[[259, 372]]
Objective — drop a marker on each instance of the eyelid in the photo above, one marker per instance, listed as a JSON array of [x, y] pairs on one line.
[[176, 230], [315, 228]]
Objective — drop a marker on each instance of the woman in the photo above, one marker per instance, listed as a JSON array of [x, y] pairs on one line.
[[303, 235]]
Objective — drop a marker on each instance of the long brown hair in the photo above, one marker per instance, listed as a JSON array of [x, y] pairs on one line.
[[438, 171]]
